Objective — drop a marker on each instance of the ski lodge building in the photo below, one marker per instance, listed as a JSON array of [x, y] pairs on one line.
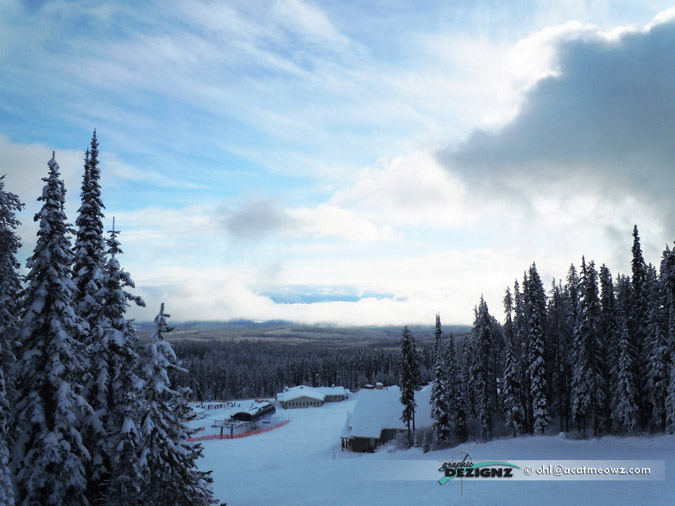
[[376, 418], [255, 412], [303, 396]]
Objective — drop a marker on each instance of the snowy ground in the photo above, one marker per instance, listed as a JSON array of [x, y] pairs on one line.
[[302, 463]]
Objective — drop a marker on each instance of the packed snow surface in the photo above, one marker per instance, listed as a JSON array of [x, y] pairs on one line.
[[302, 464]]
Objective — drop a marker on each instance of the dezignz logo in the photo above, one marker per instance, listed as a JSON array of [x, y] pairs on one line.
[[463, 466]]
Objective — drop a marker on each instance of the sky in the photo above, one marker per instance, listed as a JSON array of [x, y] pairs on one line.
[[352, 163]]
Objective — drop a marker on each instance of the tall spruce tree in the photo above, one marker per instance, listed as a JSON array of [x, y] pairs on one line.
[[49, 456], [89, 244], [440, 409], [589, 387], [593, 321], [482, 377], [88, 279], [514, 414], [637, 325], [573, 292], [468, 373], [625, 406], [670, 399], [657, 366], [117, 476], [458, 380], [169, 460], [10, 287], [535, 309], [572, 288], [409, 373], [560, 335], [520, 347], [609, 337], [668, 280], [625, 410]]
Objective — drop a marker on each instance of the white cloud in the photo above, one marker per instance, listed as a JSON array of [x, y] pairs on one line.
[[599, 124], [26, 164], [530, 60], [307, 19], [327, 220], [409, 190]]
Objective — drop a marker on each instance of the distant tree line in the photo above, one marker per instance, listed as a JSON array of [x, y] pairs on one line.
[[87, 412], [595, 354], [245, 368]]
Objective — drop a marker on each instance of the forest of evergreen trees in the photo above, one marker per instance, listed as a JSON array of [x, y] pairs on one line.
[[595, 354], [87, 412], [229, 369]]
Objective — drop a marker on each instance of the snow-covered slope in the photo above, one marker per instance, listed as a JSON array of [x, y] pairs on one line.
[[302, 463]]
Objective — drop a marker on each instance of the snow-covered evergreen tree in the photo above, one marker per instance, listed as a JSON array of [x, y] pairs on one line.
[[560, 337], [483, 336], [440, 409], [169, 460], [609, 337], [10, 286], [521, 345], [514, 413], [116, 474], [88, 279], [468, 373], [668, 281], [409, 372], [195, 488], [458, 380], [670, 399], [588, 380], [657, 366], [572, 289], [637, 325], [625, 412], [89, 244], [49, 457], [535, 309], [573, 293]]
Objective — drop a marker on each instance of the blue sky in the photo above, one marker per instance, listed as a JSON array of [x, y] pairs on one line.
[[347, 162]]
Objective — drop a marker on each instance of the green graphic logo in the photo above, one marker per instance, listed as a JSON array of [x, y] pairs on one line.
[[463, 466]]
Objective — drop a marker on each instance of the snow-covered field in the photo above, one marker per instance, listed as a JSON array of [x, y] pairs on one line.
[[302, 463]]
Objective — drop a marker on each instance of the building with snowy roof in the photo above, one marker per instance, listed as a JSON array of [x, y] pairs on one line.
[[333, 394], [256, 411], [303, 396], [376, 418]]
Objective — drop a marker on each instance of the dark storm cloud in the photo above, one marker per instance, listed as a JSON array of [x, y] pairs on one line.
[[256, 219], [605, 122]]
